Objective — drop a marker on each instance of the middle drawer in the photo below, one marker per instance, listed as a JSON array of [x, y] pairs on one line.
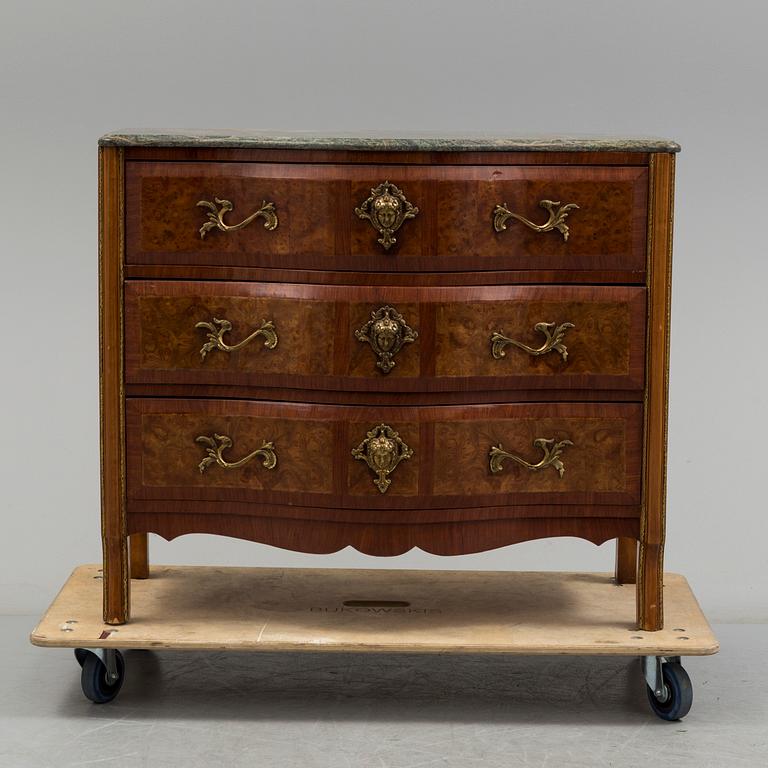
[[385, 338]]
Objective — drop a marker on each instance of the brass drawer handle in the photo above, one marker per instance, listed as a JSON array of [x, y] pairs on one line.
[[217, 444], [386, 209], [386, 332], [216, 216], [552, 452], [216, 336], [553, 341], [556, 218], [382, 450]]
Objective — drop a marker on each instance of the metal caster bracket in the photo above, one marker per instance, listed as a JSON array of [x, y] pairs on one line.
[[654, 675], [108, 658]]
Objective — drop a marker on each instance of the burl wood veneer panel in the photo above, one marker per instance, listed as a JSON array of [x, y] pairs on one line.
[[170, 455], [449, 467], [318, 227], [605, 345], [607, 229], [595, 463], [317, 348], [169, 339]]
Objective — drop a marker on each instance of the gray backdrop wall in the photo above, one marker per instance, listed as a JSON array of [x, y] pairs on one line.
[[692, 71]]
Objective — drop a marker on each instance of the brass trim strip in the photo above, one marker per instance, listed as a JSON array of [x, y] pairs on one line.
[[640, 588], [125, 574], [102, 489]]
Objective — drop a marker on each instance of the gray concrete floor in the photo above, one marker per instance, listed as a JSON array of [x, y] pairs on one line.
[[377, 711]]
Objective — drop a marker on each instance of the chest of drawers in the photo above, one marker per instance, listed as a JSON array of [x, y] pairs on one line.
[[451, 344]]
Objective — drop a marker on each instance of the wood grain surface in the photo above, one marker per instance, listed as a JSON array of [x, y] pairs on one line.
[[318, 277], [651, 556], [138, 548], [317, 347], [316, 536], [426, 278], [116, 597], [316, 468], [453, 230], [382, 157], [300, 609], [626, 561]]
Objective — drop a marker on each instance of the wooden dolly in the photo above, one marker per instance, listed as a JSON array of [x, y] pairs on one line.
[[267, 609]]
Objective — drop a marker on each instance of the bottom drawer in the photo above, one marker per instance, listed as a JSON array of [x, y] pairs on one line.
[[245, 468]]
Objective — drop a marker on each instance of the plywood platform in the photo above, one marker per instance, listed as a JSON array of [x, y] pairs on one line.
[[268, 609]]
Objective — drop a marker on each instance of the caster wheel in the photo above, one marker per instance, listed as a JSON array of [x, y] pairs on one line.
[[679, 693], [93, 677]]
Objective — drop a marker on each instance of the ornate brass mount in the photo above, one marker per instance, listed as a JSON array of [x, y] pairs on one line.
[[556, 220], [382, 451], [386, 209], [554, 341], [217, 444], [216, 216], [552, 452], [216, 336], [386, 332]]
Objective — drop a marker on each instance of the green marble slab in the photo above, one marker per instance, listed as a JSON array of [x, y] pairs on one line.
[[425, 142]]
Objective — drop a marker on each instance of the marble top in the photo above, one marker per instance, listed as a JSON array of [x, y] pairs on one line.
[[437, 142]]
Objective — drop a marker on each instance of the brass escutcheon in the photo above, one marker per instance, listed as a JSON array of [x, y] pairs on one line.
[[386, 209], [556, 220], [382, 450], [386, 332], [217, 444], [216, 216], [553, 335], [552, 451]]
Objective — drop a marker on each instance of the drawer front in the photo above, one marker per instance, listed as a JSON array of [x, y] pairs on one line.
[[389, 339], [213, 456], [434, 218]]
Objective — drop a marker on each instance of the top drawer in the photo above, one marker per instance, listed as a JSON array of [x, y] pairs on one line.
[[343, 217]]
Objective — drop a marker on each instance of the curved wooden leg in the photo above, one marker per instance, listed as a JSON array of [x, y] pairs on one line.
[[139, 548], [626, 560]]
